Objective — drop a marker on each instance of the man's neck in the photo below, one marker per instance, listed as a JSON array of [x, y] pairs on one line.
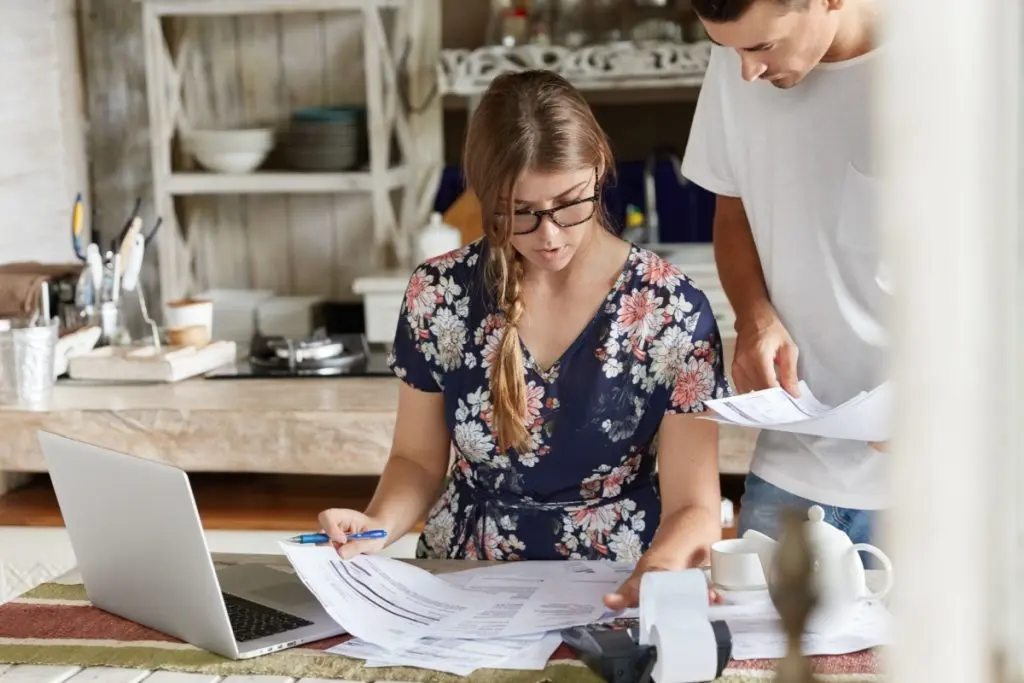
[[856, 33]]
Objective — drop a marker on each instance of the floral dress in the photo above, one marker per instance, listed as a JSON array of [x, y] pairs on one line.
[[586, 488]]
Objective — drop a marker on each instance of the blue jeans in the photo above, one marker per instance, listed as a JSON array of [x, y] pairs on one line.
[[762, 505]]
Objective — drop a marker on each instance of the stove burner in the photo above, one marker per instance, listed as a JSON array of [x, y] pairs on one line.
[[320, 355]]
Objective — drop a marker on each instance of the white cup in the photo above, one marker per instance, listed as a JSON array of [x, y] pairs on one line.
[[736, 566], [187, 313]]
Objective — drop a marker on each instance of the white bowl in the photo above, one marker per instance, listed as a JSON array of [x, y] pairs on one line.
[[230, 162], [230, 151], [241, 140]]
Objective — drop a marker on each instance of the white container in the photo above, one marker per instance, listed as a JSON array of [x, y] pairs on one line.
[[235, 312], [287, 316], [188, 313], [382, 303], [437, 238]]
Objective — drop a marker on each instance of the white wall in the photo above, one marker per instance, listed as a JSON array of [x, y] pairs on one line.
[[42, 161]]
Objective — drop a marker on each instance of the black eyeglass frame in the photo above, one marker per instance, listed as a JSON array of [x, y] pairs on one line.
[[540, 214]]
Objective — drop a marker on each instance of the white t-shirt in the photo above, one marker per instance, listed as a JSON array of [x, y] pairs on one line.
[[801, 160]]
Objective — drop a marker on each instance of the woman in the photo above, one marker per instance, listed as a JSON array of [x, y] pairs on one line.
[[561, 362]]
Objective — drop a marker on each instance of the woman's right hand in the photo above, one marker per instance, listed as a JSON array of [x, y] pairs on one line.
[[337, 523]]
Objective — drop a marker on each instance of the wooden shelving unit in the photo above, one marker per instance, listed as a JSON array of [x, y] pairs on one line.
[[166, 56], [623, 66]]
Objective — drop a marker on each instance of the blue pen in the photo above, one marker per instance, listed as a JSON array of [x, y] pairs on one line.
[[324, 538]]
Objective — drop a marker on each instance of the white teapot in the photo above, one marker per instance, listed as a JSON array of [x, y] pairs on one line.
[[838, 571]]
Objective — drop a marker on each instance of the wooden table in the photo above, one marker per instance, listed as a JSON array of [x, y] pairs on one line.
[[857, 668]]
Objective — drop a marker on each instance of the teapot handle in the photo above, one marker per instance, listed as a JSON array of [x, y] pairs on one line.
[[886, 566]]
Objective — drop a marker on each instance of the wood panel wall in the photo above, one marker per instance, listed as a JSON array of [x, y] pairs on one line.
[[253, 70], [256, 71], [246, 71]]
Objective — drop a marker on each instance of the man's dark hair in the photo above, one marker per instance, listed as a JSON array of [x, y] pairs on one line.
[[723, 11]]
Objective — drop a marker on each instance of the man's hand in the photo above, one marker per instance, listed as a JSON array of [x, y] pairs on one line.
[[882, 446], [765, 357]]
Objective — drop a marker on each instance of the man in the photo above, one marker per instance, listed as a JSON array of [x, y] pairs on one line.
[[782, 135]]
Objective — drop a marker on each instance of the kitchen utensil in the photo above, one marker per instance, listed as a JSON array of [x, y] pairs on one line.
[[76, 227], [135, 254], [34, 358]]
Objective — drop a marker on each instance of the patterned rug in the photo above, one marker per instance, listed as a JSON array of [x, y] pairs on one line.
[[55, 624]]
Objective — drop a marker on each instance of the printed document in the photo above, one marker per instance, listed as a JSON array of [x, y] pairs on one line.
[[458, 656], [387, 602], [865, 417], [548, 595], [757, 631]]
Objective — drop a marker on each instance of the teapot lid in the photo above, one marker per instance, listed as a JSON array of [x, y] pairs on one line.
[[821, 533]]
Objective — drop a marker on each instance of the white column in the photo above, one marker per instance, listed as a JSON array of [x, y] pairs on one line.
[[948, 119]]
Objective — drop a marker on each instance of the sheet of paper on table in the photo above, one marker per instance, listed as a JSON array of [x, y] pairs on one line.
[[557, 589], [392, 604], [865, 417], [458, 656], [757, 631]]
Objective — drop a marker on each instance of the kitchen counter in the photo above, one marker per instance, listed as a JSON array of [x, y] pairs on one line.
[[339, 426]]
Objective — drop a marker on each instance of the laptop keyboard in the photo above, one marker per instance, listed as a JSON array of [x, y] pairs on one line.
[[251, 620]]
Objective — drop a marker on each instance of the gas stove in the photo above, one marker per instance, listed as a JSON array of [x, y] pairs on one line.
[[319, 356]]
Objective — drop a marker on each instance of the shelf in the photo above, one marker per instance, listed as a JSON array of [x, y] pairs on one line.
[[621, 66], [278, 182], [169, 8]]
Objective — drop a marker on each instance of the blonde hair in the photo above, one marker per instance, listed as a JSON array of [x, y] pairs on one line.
[[526, 121]]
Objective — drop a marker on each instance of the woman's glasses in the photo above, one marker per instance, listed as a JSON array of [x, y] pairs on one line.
[[568, 215]]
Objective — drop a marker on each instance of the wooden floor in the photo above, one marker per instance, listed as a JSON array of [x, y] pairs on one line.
[[239, 502], [263, 502]]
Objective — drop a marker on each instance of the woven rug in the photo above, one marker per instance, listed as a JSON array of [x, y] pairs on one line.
[[55, 624]]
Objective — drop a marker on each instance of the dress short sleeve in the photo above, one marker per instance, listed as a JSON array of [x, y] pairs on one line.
[[700, 370], [411, 356]]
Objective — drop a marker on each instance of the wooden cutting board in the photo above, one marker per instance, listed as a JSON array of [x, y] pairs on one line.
[[465, 215]]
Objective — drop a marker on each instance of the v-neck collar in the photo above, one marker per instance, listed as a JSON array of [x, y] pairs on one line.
[[552, 372]]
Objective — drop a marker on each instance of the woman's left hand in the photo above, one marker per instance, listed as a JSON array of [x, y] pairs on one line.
[[628, 594]]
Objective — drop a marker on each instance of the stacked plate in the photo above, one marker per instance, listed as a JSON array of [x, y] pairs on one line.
[[325, 139]]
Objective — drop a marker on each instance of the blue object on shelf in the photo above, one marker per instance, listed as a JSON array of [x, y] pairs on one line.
[[685, 212], [332, 114]]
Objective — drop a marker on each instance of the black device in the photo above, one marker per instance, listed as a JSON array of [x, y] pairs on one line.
[[611, 649]]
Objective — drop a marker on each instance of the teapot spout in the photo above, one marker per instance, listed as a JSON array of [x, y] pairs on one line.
[[764, 546]]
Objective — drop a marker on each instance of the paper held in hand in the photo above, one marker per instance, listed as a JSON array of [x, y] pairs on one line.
[[865, 417]]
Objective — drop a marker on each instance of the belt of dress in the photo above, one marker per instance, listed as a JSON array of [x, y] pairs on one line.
[[483, 503]]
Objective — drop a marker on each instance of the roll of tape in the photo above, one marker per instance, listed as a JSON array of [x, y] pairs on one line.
[[687, 651], [669, 595]]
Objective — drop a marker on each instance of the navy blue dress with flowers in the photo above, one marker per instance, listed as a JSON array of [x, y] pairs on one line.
[[586, 488]]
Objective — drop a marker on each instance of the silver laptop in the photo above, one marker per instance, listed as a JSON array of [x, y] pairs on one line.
[[140, 547]]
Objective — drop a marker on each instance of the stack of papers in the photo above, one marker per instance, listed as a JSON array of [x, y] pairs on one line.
[[757, 631], [503, 616], [510, 615], [865, 417]]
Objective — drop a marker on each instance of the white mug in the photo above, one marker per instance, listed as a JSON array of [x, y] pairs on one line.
[[736, 566], [185, 313]]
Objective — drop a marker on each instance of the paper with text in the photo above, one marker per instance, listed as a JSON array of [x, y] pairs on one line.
[[386, 601], [757, 631], [458, 656], [865, 417], [546, 595]]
